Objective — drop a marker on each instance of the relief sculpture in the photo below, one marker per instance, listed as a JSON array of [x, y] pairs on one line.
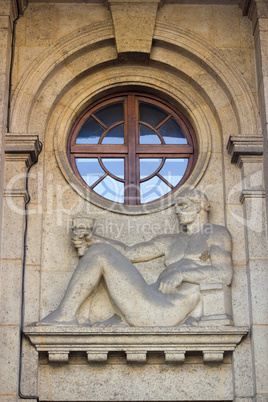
[[193, 288]]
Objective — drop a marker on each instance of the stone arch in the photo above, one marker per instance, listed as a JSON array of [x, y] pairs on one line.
[[83, 66], [91, 47]]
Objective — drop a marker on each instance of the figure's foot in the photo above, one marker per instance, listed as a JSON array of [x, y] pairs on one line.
[[57, 318], [191, 321], [114, 320]]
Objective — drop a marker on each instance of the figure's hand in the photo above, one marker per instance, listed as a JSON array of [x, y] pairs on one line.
[[78, 241], [81, 239], [170, 282]]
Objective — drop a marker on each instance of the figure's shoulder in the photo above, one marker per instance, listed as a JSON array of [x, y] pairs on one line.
[[219, 230], [219, 235]]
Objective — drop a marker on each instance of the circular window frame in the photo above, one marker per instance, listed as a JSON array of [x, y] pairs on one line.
[[135, 97]]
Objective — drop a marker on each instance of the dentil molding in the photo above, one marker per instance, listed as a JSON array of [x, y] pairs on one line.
[[136, 342]]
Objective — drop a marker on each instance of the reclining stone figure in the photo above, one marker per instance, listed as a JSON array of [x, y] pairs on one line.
[[199, 254]]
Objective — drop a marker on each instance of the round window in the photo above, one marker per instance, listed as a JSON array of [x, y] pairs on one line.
[[132, 148]]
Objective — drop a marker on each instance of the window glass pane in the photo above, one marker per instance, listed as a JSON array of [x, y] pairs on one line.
[[115, 166], [172, 133], [148, 136], [89, 169], [111, 114], [111, 189], [148, 166], [115, 135], [173, 170], [90, 132], [151, 114], [152, 189]]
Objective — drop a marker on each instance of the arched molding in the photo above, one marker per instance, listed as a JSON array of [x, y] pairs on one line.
[[108, 79], [50, 61], [217, 65], [183, 68], [73, 48]]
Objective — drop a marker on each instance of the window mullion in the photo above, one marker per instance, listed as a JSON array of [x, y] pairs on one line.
[[132, 124]]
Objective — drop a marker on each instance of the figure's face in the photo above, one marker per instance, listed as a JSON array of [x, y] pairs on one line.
[[187, 211]]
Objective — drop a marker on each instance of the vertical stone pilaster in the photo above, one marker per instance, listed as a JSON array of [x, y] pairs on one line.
[[21, 153], [257, 11], [246, 152], [7, 15]]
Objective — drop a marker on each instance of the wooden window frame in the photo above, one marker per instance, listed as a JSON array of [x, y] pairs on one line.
[[132, 151]]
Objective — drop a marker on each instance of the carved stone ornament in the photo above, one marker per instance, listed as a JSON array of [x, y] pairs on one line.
[[193, 291]]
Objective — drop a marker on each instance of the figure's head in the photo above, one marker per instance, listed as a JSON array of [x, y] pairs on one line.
[[189, 204]]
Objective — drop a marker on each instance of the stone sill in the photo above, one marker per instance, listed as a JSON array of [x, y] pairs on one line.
[[97, 342]]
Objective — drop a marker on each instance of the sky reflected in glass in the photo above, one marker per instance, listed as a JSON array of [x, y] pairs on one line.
[[111, 114], [111, 189], [173, 170], [172, 132], [114, 136], [89, 169], [115, 165], [90, 132], [153, 189]]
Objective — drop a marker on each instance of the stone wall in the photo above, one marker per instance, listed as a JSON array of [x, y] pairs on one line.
[[204, 59]]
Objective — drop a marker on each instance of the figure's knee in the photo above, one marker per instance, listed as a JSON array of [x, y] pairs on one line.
[[103, 250]]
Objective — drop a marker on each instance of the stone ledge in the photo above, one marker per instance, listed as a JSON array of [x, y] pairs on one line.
[[97, 342], [17, 193], [28, 147], [251, 194], [243, 146]]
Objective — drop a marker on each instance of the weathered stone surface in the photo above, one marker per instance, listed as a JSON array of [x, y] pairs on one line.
[[133, 25], [199, 57], [141, 382], [242, 145], [136, 342]]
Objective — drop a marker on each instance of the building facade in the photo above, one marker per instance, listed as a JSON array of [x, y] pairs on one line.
[[201, 65]]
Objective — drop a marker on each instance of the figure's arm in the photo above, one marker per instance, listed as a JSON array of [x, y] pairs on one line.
[[218, 268], [140, 252]]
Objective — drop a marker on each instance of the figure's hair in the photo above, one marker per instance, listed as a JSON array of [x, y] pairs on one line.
[[197, 197]]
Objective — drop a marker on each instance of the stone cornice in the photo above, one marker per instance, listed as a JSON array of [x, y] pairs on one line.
[[251, 194], [22, 5], [18, 7], [17, 193], [239, 146], [27, 147], [96, 343], [245, 6], [254, 9]]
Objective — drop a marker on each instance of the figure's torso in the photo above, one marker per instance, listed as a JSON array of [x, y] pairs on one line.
[[192, 247]]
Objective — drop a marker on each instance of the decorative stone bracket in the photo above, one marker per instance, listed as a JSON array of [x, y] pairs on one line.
[[174, 342], [24, 147], [239, 146]]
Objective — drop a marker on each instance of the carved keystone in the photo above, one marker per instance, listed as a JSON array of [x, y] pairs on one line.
[[134, 24]]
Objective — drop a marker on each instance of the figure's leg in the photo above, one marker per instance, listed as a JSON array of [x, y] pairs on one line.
[[101, 260], [83, 282], [140, 304]]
